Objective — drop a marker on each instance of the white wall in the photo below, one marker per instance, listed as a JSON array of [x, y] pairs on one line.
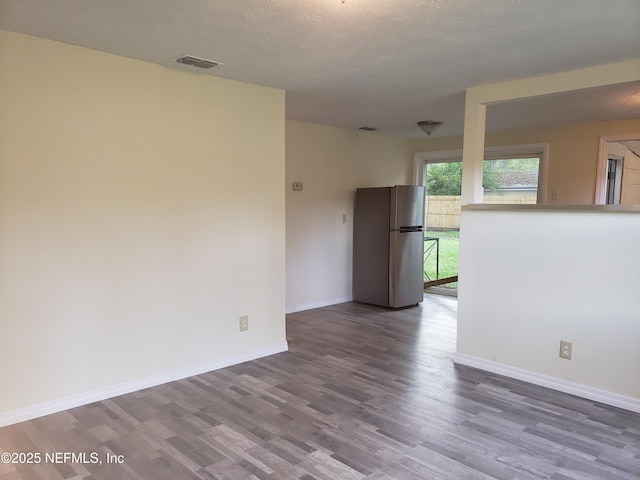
[[331, 163], [529, 279], [141, 213]]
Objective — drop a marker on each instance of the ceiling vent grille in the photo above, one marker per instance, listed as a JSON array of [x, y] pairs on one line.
[[196, 62]]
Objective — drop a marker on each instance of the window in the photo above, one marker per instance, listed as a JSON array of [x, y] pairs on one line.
[[506, 170], [511, 180]]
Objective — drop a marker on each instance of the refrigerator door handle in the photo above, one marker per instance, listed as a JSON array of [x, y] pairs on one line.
[[410, 229]]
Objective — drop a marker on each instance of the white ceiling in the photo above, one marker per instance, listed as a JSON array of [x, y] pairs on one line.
[[381, 63]]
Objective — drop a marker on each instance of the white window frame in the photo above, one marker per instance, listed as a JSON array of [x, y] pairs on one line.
[[490, 153]]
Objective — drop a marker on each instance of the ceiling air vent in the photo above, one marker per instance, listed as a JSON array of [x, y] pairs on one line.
[[368, 129], [196, 62]]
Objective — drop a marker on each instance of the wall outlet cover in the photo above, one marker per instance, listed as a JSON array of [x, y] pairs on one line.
[[244, 323], [566, 349]]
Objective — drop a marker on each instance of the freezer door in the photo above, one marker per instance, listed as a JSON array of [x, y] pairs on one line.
[[407, 206], [371, 246], [406, 285]]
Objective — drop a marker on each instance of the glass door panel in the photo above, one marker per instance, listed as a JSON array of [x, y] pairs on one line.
[[442, 223]]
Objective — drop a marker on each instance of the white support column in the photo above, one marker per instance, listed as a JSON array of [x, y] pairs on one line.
[[473, 150], [477, 99]]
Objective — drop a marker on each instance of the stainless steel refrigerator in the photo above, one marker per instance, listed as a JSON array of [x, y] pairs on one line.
[[388, 245]]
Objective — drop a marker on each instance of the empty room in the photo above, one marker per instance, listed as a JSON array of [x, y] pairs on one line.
[[180, 252]]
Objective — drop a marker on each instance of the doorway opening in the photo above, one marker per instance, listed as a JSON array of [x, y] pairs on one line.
[[613, 187], [618, 171], [511, 175], [442, 182]]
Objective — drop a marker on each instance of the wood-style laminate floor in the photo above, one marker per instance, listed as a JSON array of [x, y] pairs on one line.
[[364, 392]]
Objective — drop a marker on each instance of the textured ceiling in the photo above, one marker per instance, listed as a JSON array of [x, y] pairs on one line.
[[379, 63]]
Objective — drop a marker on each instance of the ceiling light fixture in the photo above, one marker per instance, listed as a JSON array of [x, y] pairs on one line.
[[428, 126]]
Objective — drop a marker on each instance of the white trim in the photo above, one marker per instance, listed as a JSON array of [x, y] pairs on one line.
[[439, 156], [318, 304], [566, 386], [506, 151], [72, 401], [601, 168], [420, 158], [418, 169]]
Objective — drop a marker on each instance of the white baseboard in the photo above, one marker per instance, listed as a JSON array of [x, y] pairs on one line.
[[318, 304], [72, 401], [603, 396]]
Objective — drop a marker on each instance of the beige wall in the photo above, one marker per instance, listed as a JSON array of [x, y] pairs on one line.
[[630, 179], [331, 163], [573, 153], [137, 220]]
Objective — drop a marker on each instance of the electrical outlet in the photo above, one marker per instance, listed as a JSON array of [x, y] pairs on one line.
[[566, 349], [244, 323]]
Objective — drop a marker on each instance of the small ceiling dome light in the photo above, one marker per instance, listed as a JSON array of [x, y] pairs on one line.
[[428, 126]]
